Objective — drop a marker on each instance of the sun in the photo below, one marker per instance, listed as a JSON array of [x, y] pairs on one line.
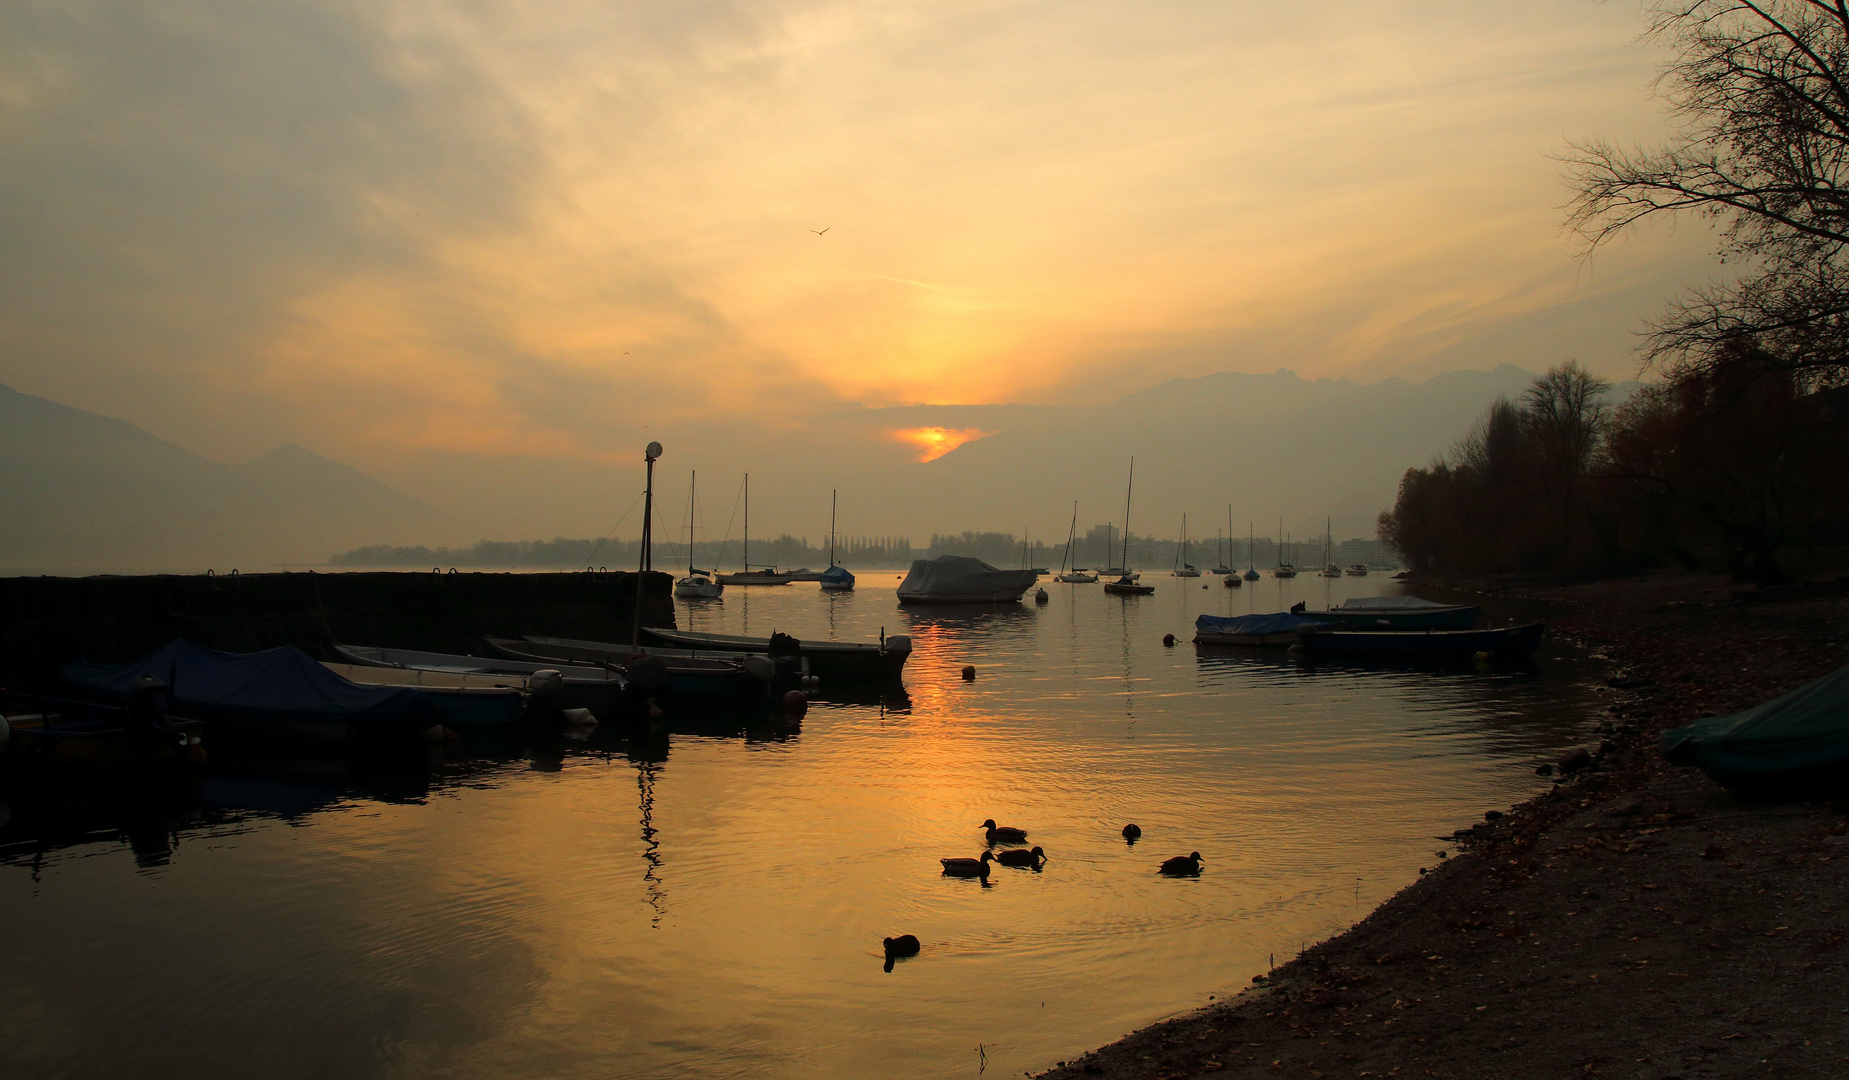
[[935, 442]]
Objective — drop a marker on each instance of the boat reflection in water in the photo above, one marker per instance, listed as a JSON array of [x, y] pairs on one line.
[[708, 895]]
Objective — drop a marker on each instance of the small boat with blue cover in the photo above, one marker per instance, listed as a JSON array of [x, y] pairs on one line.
[[1792, 747], [280, 693], [1276, 630]]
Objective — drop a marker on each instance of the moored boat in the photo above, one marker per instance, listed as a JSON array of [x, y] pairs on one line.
[[462, 699], [1357, 570], [59, 732], [698, 584], [1127, 585], [1503, 643], [280, 693], [690, 674], [1276, 630], [959, 579], [1398, 613], [848, 660], [600, 690]]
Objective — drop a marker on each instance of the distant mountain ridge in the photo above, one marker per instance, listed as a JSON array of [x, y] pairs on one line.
[[83, 490]]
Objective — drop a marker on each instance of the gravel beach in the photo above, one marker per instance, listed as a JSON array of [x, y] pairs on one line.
[[1635, 921]]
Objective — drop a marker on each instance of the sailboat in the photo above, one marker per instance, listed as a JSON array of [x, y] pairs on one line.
[[1181, 554], [746, 575], [835, 578], [1330, 569], [1283, 569], [1076, 575], [697, 585], [1127, 585], [1251, 573]]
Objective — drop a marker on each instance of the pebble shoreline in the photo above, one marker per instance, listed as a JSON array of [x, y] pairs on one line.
[[1635, 921]]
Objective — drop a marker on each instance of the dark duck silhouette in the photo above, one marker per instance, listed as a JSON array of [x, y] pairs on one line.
[[1022, 857], [1182, 865], [898, 947], [1132, 832], [969, 867], [1002, 834]]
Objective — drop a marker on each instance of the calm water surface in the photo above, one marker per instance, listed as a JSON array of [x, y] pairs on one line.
[[709, 902]]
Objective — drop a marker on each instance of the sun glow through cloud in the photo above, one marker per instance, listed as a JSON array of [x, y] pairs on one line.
[[935, 442]]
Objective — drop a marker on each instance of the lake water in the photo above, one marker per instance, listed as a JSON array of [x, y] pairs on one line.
[[710, 901]]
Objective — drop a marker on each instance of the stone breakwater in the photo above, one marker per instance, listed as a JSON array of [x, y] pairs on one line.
[[45, 621], [1635, 921]]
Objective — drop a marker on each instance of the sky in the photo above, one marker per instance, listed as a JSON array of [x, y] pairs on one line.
[[490, 230]]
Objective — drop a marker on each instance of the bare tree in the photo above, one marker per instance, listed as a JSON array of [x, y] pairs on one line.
[[1762, 88]]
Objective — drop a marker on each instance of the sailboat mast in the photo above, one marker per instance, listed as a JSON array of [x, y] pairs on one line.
[[834, 498], [1128, 489], [1070, 533], [691, 481], [747, 548]]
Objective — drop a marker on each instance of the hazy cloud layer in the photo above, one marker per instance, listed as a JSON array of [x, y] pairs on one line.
[[543, 232]]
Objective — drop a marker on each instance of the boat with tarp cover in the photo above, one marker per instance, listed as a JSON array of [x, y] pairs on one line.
[[280, 693], [1397, 613], [959, 579], [1792, 747], [1276, 630]]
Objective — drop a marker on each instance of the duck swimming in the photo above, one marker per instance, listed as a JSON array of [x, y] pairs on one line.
[[1132, 832], [901, 946], [968, 867], [1022, 857], [1182, 865], [1002, 834]]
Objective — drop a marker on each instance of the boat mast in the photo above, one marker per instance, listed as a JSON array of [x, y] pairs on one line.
[[1070, 533], [747, 548], [691, 481], [1128, 488], [834, 498]]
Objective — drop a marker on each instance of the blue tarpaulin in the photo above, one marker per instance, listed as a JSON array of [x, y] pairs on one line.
[[1803, 736], [284, 684], [1280, 622]]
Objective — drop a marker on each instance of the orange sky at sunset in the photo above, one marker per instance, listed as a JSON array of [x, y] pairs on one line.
[[552, 230]]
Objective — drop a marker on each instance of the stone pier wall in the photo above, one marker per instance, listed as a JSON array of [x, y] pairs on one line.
[[45, 621]]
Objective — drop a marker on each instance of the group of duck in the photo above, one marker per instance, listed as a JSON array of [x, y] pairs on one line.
[[906, 945], [1034, 858]]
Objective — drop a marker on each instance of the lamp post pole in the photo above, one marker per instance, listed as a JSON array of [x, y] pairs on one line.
[[647, 561]]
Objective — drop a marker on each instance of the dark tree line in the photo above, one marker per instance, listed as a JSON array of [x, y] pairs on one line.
[[1719, 467]]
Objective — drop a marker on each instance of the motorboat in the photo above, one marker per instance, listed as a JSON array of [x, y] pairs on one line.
[[1233, 581], [60, 732], [1357, 570], [953, 579]]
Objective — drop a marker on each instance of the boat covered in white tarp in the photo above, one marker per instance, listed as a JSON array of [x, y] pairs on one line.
[[960, 579]]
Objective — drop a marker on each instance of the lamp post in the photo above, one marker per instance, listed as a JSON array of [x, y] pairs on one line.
[[652, 452]]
